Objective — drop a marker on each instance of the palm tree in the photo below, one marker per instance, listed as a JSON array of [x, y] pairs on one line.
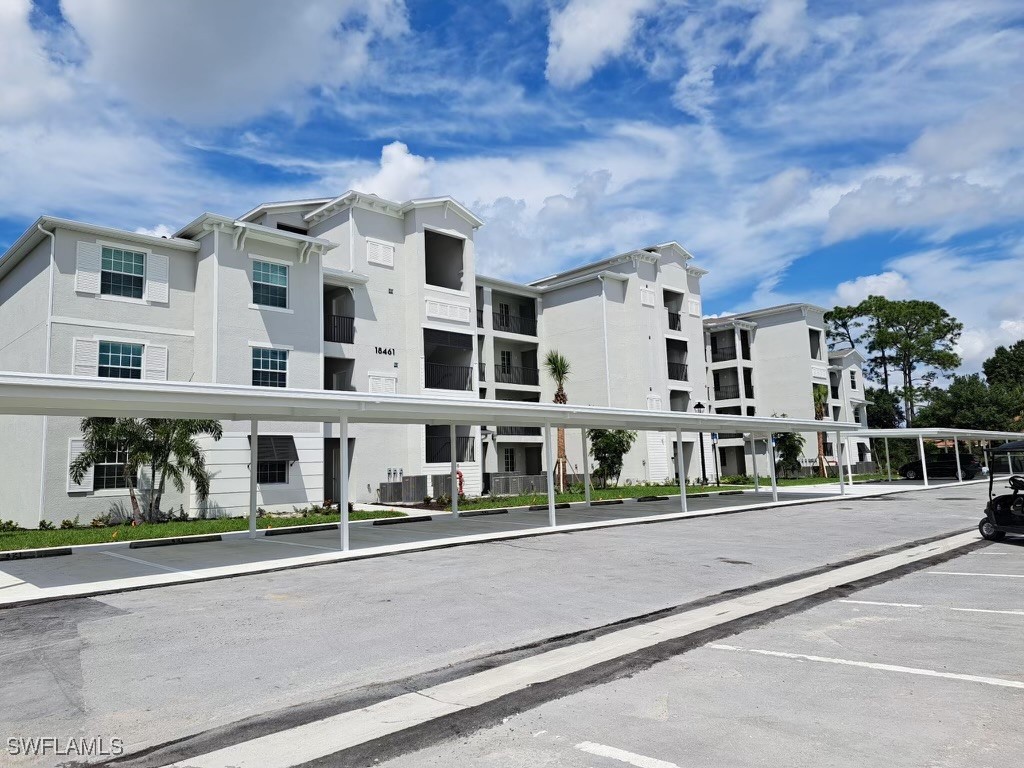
[[820, 411], [168, 447], [557, 366]]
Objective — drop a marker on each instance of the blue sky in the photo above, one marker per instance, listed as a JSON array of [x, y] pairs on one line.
[[801, 151]]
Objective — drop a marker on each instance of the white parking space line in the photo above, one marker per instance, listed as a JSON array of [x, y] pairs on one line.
[[640, 761], [143, 562], [932, 607], [993, 575], [296, 544], [997, 681]]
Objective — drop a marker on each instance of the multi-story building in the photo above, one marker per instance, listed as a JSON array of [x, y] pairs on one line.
[[768, 363], [355, 293]]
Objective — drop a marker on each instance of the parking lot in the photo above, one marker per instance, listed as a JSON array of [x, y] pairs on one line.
[[921, 670]]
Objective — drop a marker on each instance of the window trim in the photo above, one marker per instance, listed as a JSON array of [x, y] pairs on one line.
[[146, 252], [853, 378], [287, 308], [115, 490], [287, 365], [509, 452], [287, 472], [101, 340]]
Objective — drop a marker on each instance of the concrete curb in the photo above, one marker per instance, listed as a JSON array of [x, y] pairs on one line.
[[147, 543], [32, 554]]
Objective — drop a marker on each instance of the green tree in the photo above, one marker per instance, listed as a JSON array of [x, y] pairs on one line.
[[820, 394], [169, 448], [884, 408], [789, 446], [1006, 366], [971, 403], [608, 447], [558, 368]]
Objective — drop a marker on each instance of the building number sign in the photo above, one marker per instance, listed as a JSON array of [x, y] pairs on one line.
[[385, 350]]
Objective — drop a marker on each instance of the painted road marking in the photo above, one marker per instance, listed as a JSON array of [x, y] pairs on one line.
[[937, 607], [316, 740], [144, 562], [998, 681], [965, 573], [640, 761]]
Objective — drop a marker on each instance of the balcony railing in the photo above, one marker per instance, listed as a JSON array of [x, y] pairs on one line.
[[675, 321], [727, 392], [440, 376], [514, 374], [479, 318], [835, 393], [748, 392], [339, 328], [519, 431], [678, 371], [515, 324], [439, 448], [721, 354]]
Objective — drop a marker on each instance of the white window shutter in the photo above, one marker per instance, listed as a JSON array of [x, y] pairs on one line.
[[647, 297], [695, 307], [380, 253], [383, 385], [75, 448], [155, 363], [88, 262], [86, 357], [157, 276]]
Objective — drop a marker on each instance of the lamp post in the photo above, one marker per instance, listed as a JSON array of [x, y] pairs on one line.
[[700, 408], [714, 455]]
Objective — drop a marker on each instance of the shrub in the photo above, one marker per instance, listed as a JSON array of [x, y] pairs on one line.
[[735, 479], [101, 521], [427, 499], [68, 524], [444, 499], [9, 526], [46, 525], [182, 515]]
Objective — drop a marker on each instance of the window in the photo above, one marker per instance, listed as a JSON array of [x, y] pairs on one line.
[[506, 361], [272, 472], [269, 367], [510, 460], [122, 273], [293, 229], [120, 361], [108, 472], [269, 284], [853, 379]]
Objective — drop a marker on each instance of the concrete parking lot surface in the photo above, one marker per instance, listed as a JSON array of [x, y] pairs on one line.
[[158, 665], [920, 671]]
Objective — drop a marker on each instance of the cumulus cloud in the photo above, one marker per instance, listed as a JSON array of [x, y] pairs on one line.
[[401, 175], [780, 29], [585, 34], [890, 284], [221, 62], [31, 80]]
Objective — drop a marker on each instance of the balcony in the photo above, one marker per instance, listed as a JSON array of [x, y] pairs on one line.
[[440, 376], [519, 431], [483, 369], [514, 374], [727, 392], [339, 328], [835, 393], [678, 371], [439, 448], [675, 321], [722, 354], [508, 323], [479, 318]]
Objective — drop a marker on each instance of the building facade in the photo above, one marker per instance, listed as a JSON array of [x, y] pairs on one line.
[[358, 293]]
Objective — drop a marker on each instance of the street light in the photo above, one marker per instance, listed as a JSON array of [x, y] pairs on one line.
[[700, 408]]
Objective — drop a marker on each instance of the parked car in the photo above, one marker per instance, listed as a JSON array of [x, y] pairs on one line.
[[943, 465]]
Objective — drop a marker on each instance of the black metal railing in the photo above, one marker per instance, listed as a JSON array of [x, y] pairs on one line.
[[339, 328], [721, 354], [727, 391], [515, 374], [835, 393], [675, 321], [678, 371], [479, 318], [515, 324], [749, 392], [440, 376], [439, 448], [519, 431]]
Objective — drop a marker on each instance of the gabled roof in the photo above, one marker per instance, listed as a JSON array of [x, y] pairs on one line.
[[776, 310], [843, 354], [373, 202], [32, 236], [283, 205], [651, 253]]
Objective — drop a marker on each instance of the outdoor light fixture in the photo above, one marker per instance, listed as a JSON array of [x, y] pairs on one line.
[[700, 408]]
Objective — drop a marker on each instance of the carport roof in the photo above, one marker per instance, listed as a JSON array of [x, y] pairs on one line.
[[40, 394], [933, 433]]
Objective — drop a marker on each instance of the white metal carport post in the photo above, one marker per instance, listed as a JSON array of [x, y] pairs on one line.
[[753, 459], [343, 480], [586, 467], [839, 464], [771, 467], [254, 439], [956, 452], [455, 472], [849, 464], [888, 464], [679, 469], [920, 452], [549, 450]]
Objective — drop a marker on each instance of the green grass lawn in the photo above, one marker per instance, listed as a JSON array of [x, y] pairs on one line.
[[621, 492], [66, 537]]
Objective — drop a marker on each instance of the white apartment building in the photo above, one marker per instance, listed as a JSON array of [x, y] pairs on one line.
[[768, 363], [352, 293]]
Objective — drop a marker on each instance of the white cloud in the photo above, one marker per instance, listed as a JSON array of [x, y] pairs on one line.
[[30, 81], [160, 230], [890, 284], [780, 30], [585, 34], [221, 62], [401, 175]]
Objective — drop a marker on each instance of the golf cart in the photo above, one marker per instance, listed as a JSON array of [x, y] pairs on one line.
[[1005, 513]]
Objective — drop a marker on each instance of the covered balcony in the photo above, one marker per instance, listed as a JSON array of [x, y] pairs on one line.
[[513, 314], [447, 360], [677, 352], [339, 315]]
